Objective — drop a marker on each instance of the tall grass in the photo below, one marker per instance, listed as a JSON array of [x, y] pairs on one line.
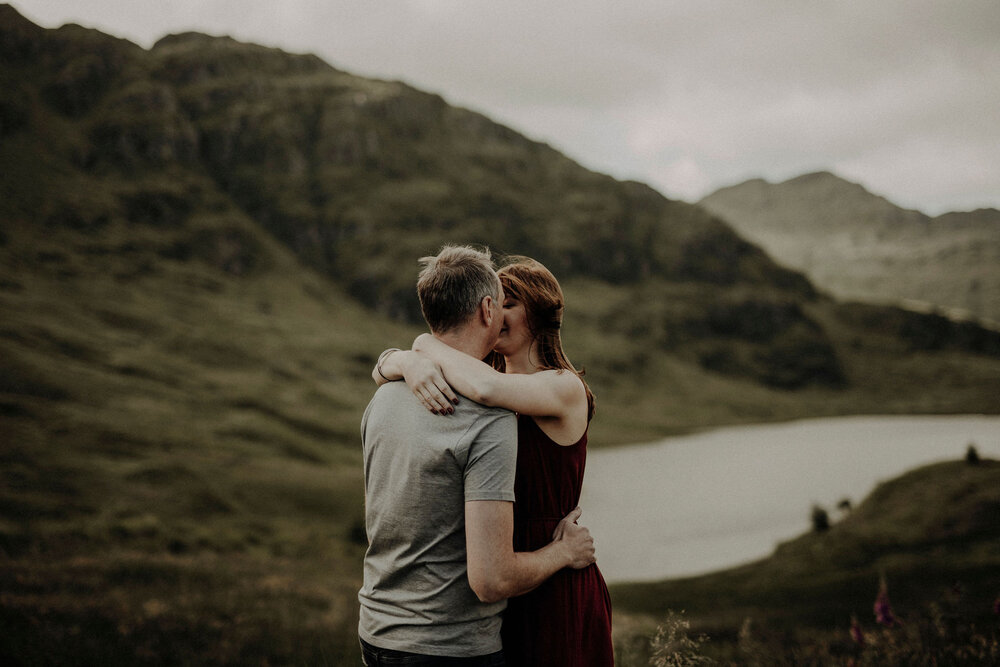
[[940, 632]]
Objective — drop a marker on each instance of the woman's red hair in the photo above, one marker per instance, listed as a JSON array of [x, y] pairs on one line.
[[532, 284]]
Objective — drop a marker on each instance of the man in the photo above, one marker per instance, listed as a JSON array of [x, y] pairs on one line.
[[439, 497]]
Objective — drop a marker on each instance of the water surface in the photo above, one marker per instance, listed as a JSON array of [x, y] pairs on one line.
[[692, 504]]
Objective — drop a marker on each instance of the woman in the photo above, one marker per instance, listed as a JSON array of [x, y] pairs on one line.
[[567, 620]]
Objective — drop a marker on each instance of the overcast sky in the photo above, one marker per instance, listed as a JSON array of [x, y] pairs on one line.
[[902, 96]]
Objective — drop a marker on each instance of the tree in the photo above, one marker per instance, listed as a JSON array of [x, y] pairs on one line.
[[820, 519]]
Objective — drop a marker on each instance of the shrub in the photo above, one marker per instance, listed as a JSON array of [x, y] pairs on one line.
[[669, 646], [672, 647], [972, 455], [820, 519], [940, 635]]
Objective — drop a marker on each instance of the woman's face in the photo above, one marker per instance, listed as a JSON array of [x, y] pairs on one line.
[[515, 334]]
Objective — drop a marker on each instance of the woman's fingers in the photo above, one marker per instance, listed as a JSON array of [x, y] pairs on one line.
[[446, 390], [439, 400], [439, 390], [434, 400], [428, 404]]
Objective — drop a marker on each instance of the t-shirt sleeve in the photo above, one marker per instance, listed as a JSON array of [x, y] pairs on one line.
[[492, 460]]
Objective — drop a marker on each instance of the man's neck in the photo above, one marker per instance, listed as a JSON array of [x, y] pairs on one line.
[[463, 341]]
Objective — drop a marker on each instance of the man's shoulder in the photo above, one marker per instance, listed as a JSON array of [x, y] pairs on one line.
[[485, 423], [392, 400], [395, 401], [396, 394], [480, 413]]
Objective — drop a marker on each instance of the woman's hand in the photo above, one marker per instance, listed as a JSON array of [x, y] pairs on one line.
[[425, 380]]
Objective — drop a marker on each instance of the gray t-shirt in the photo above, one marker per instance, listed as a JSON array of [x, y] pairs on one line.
[[420, 469]]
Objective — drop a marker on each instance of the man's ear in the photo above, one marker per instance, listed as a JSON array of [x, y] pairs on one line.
[[486, 311]]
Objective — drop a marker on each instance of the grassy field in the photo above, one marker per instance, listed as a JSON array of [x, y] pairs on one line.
[[180, 472], [180, 463]]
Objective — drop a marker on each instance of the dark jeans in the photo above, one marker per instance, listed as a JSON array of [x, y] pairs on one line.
[[372, 656]]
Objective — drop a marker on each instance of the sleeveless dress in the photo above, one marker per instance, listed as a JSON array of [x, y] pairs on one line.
[[565, 622]]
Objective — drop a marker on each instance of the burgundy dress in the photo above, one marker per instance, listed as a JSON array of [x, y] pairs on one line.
[[566, 621]]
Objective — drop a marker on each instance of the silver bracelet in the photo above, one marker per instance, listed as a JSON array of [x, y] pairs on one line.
[[381, 358]]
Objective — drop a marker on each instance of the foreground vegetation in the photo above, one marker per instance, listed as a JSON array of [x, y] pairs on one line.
[[180, 475], [910, 577]]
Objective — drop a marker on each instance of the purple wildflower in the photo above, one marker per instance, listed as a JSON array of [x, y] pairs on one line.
[[883, 610], [996, 605], [857, 634]]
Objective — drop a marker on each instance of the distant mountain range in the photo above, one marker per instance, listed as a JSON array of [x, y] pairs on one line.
[[858, 245]]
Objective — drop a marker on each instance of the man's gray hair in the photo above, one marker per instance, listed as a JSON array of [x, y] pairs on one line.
[[453, 284]]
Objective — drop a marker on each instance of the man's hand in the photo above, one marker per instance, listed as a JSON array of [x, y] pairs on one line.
[[576, 540], [496, 571]]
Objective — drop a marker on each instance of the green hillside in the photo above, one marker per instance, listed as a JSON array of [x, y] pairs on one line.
[[204, 246], [930, 534]]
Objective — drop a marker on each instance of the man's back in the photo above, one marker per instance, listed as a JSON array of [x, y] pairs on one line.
[[420, 469]]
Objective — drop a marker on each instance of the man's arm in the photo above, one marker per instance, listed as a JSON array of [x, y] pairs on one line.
[[496, 571]]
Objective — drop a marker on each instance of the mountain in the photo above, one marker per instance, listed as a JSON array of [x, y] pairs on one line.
[[203, 248], [858, 245]]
